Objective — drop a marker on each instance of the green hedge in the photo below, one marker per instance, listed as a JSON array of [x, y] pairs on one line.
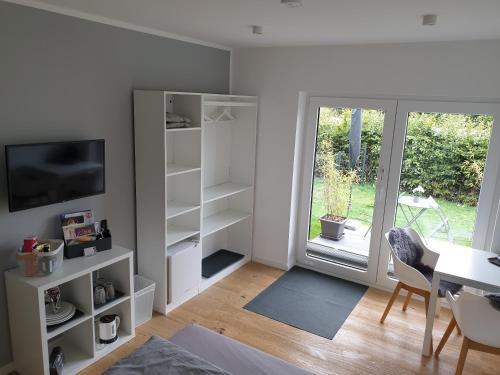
[[443, 153]]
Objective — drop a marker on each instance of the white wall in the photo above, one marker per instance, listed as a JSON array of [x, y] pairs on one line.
[[448, 70]]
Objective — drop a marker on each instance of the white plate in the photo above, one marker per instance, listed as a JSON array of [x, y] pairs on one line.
[[53, 319], [61, 320], [62, 316], [66, 311]]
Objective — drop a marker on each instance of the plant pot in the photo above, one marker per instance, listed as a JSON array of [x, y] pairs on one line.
[[331, 229]]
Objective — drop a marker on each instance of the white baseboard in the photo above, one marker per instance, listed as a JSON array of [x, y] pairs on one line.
[[271, 263], [7, 369]]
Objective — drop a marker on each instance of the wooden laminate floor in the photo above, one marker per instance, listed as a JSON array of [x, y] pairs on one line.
[[362, 345]]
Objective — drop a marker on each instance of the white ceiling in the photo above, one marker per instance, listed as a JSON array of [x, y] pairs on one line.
[[317, 22]]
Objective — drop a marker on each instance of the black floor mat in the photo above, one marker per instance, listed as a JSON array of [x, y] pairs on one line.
[[218, 261], [309, 300]]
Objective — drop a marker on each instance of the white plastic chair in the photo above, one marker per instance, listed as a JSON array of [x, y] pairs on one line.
[[479, 322], [409, 278]]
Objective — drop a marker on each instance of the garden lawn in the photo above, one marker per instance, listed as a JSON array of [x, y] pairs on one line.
[[461, 217]]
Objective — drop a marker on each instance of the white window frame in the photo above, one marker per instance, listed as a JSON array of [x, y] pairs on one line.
[[389, 108], [486, 232]]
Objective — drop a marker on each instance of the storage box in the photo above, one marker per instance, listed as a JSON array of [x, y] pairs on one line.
[[144, 293], [184, 269], [78, 250]]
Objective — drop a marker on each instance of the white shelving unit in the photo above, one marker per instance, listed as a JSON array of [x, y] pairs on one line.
[[193, 183], [33, 340]]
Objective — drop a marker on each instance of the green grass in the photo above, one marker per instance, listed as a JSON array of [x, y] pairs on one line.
[[462, 218]]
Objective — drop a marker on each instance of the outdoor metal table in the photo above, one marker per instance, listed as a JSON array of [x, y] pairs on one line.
[[415, 208]]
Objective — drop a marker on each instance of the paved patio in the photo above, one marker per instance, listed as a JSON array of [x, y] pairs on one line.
[[356, 240], [354, 248]]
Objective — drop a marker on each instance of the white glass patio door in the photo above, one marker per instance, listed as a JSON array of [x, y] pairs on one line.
[[447, 201], [354, 137]]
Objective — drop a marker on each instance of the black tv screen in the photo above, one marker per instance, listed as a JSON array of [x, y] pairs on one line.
[[45, 173]]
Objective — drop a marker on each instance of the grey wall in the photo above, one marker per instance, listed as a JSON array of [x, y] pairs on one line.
[[62, 78]]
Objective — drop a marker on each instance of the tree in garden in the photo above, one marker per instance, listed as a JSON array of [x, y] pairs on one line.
[[355, 137]]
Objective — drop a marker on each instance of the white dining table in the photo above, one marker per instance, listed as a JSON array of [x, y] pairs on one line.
[[461, 265]]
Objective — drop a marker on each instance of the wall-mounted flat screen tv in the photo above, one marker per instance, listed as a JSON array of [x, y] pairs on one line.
[[45, 173]]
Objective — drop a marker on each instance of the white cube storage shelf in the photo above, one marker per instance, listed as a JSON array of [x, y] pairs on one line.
[[33, 341], [193, 183]]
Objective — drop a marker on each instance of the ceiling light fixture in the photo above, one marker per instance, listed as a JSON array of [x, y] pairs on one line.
[[429, 19], [291, 3], [257, 30]]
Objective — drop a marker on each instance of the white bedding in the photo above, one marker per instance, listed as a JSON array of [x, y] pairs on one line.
[[231, 355]]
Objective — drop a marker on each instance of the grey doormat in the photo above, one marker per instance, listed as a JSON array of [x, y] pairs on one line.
[[309, 300]]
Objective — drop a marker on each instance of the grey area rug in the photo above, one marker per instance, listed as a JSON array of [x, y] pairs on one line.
[[309, 300]]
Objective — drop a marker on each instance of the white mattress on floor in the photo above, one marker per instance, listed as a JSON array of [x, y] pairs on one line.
[[231, 355]]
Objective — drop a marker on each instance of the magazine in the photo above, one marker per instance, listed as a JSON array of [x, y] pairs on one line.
[[80, 217], [79, 227]]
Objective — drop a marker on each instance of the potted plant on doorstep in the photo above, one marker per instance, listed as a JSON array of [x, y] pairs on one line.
[[337, 185]]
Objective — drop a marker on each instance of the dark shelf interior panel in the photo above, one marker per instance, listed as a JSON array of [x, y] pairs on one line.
[[218, 261]]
